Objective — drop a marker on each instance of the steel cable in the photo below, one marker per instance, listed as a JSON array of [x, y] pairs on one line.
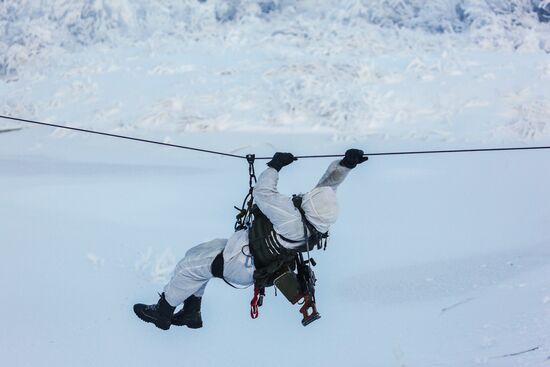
[[266, 158]]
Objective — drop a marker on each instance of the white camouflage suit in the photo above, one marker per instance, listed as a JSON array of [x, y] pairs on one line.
[[193, 272]]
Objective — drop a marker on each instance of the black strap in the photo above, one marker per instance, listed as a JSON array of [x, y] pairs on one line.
[[316, 238], [288, 239], [217, 269], [217, 266]]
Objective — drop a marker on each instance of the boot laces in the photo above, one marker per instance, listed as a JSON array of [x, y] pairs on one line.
[[155, 307]]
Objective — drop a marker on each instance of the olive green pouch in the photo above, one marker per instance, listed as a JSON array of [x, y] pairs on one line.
[[289, 286]]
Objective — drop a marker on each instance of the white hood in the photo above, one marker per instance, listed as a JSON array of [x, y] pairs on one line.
[[321, 207]]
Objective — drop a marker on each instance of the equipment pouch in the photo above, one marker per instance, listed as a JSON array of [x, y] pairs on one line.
[[289, 286]]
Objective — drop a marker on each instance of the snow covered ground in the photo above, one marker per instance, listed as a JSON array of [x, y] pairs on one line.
[[439, 260]]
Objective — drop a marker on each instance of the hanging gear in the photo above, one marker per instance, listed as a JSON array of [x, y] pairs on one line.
[[289, 286], [276, 263], [306, 276], [307, 280], [300, 286], [271, 258]]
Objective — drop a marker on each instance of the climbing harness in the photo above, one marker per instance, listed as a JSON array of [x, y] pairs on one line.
[[307, 280]]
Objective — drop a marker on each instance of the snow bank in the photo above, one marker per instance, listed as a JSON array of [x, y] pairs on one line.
[[442, 71], [35, 31]]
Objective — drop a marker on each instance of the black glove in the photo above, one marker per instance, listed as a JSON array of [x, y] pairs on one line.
[[280, 160], [353, 158]]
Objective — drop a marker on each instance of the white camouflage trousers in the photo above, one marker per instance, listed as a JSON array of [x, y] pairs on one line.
[[193, 272]]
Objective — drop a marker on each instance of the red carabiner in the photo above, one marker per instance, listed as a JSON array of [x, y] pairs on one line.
[[255, 303]]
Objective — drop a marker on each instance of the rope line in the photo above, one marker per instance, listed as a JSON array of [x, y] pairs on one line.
[[267, 158], [123, 137], [423, 152]]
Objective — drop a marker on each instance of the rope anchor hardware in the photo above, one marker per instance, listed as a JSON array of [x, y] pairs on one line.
[[244, 218]]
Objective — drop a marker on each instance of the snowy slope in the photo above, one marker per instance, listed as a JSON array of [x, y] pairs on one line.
[[435, 261], [352, 68]]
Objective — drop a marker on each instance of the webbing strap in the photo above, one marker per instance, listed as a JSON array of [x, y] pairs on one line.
[[315, 236], [217, 270]]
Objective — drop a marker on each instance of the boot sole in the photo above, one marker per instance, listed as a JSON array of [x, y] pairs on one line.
[[191, 325]]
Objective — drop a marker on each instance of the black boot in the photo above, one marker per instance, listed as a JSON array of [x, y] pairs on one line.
[[159, 314], [190, 315]]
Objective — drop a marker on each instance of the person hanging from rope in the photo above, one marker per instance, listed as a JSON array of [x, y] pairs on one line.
[[283, 227]]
